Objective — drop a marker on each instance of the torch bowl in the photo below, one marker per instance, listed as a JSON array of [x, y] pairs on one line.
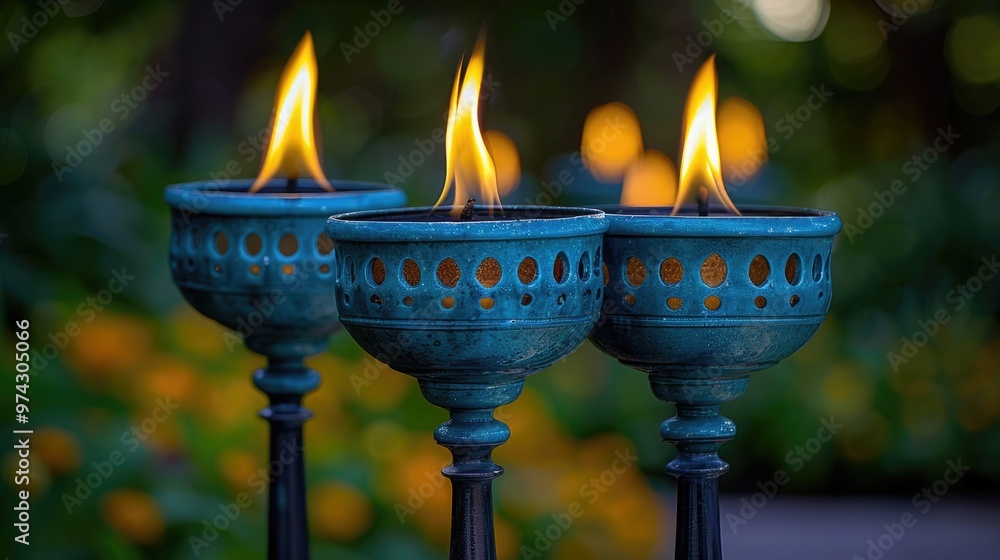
[[727, 292], [432, 296], [259, 263]]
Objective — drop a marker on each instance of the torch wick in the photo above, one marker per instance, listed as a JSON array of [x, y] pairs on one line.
[[467, 211], [291, 184], [703, 201]]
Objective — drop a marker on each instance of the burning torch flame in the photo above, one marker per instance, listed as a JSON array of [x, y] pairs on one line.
[[701, 168], [292, 148], [467, 161]]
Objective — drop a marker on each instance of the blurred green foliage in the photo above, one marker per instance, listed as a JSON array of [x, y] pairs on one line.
[[85, 160]]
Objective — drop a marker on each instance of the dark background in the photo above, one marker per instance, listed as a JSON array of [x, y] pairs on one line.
[[899, 73]]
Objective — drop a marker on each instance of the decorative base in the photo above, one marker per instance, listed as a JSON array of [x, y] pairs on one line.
[[285, 381], [471, 435], [697, 431]]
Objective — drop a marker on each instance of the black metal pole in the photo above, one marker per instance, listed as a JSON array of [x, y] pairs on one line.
[[471, 475], [697, 431], [285, 381]]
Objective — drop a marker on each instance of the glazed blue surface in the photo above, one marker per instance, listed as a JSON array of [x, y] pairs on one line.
[[689, 301], [471, 337], [467, 339], [259, 264], [239, 289]]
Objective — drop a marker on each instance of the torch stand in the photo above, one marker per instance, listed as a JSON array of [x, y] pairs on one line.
[[471, 435], [698, 303], [697, 431], [482, 304], [285, 381], [261, 260]]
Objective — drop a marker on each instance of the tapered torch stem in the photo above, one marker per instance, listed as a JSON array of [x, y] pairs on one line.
[[697, 431], [285, 381], [471, 435]]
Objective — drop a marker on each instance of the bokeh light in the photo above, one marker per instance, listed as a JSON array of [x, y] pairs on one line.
[[973, 47], [793, 20], [612, 140], [650, 181], [506, 159], [742, 139]]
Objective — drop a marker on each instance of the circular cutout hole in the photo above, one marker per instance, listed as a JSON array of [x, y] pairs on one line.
[[560, 268], [629, 300], [408, 300], [377, 270], [527, 271], [288, 269], [489, 272], [817, 268], [253, 244], [820, 295], [583, 270], [561, 299], [347, 299], [288, 245], [671, 271], [526, 299], [324, 268], [411, 272], [349, 270], [635, 272], [255, 269], [714, 271], [674, 303], [324, 245], [760, 302], [486, 303], [218, 268], [794, 300], [448, 273], [221, 243], [712, 302], [760, 269], [604, 271], [448, 302], [376, 299], [793, 269]]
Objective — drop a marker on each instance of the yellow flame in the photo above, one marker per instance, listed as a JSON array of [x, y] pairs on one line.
[[611, 141], [292, 148], [468, 166], [650, 181], [700, 167], [742, 140]]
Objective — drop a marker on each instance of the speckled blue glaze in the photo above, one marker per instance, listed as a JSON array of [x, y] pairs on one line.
[[470, 355], [699, 337], [282, 305], [227, 288]]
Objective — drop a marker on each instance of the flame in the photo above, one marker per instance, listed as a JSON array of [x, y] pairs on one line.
[[700, 166], [292, 148], [469, 165]]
